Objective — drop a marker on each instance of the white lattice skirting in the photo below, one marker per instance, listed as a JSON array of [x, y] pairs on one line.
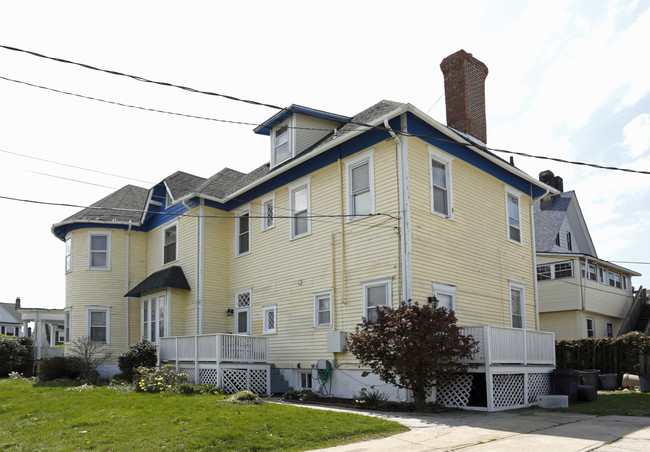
[[233, 378], [455, 393]]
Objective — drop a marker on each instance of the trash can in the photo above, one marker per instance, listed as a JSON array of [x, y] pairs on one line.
[[589, 377], [565, 382], [644, 379], [587, 393], [608, 382]]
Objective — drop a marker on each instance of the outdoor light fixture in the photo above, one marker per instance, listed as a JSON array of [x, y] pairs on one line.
[[230, 312], [432, 299]]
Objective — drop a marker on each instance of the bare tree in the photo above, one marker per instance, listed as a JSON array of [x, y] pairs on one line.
[[90, 354]]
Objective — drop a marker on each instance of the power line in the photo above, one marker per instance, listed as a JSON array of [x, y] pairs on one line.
[[142, 79], [59, 177]]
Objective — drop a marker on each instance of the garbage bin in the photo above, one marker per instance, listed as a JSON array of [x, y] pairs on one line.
[[644, 380], [589, 377], [565, 382], [608, 382]]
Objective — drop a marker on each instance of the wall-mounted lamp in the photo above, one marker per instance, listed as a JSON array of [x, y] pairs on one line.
[[230, 312], [432, 299]]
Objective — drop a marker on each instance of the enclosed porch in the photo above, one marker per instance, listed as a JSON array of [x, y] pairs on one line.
[[511, 369], [230, 361]]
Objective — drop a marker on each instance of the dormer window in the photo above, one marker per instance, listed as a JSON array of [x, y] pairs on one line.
[[281, 145]]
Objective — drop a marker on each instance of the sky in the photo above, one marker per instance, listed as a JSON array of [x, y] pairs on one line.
[[567, 79]]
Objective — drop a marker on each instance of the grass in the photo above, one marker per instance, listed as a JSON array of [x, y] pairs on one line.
[[622, 403], [56, 417]]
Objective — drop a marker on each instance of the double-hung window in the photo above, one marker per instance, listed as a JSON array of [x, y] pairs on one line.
[[280, 145], [299, 199], [626, 282], [66, 326], [569, 244], [517, 306], [268, 213], [68, 254], [243, 312], [615, 280], [446, 296], [610, 330], [441, 194], [170, 243], [360, 185], [243, 231], [592, 272], [555, 271], [98, 324], [591, 327], [99, 250], [154, 317], [270, 320], [514, 216], [376, 295], [603, 275], [323, 310]]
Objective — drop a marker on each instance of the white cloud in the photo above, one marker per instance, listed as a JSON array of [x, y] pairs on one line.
[[636, 135]]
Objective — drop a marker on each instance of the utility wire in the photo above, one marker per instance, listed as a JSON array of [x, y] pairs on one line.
[[141, 79], [59, 177]]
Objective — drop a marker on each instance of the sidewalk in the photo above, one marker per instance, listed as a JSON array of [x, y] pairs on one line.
[[513, 430]]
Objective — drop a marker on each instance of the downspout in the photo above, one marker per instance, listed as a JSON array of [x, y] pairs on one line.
[[532, 228], [196, 303], [128, 283], [201, 268], [405, 214]]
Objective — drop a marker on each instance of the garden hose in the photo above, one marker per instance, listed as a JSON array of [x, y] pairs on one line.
[[322, 376]]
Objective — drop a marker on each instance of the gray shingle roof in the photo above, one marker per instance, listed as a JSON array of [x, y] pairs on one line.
[[14, 316], [549, 221], [367, 116], [181, 183], [220, 184], [130, 198]]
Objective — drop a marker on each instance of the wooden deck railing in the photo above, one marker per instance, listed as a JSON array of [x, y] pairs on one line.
[[501, 345], [218, 348]]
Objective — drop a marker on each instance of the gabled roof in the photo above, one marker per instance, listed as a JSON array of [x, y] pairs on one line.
[[549, 215], [123, 205], [266, 127], [9, 314], [219, 185]]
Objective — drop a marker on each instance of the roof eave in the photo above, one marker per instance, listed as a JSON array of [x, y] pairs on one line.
[[591, 258]]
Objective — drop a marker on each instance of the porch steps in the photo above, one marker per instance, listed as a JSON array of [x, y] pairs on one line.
[[278, 382], [643, 320]]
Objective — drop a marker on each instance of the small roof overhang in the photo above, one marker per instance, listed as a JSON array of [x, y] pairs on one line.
[[266, 126], [169, 277]]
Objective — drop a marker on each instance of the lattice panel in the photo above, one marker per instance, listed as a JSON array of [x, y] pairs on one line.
[[538, 385], [508, 390], [189, 371], [209, 376], [258, 379], [234, 380], [455, 393]]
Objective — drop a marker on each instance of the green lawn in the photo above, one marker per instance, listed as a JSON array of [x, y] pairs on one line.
[[622, 403], [34, 417]]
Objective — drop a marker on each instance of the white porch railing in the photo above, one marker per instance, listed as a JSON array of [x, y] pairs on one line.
[[501, 345], [41, 353], [215, 348]]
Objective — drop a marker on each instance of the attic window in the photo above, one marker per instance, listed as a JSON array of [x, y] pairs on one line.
[[281, 146]]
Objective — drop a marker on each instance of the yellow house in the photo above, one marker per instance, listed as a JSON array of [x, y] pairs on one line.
[[236, 273], [580, 295]]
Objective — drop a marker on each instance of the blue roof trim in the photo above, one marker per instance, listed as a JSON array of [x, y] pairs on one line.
[[62, 231], [436, 138], [266, 126], [345, 149]]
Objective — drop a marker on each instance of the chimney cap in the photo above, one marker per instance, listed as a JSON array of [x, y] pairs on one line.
[[449, 62]]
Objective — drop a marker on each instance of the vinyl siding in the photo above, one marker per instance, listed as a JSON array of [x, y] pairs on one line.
[[472, 250], [311, 130], [563, 294], [565, 325]]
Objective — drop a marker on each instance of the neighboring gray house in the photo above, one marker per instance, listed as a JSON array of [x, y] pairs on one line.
[[580, 295], [10, 318]]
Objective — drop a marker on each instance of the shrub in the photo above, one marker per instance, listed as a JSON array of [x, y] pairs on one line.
[[304, 395], [166, 379], [371, 399], [16, 355], [140, 354], [245, 397], [60, 367]]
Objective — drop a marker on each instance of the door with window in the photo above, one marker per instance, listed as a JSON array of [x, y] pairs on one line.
[[154, 317], [243, 312]]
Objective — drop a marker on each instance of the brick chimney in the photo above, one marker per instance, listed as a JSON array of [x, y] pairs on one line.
[[17, 302], [465, 93], [554, 181]]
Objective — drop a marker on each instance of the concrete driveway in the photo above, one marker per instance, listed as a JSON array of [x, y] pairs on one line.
[[535, 429]]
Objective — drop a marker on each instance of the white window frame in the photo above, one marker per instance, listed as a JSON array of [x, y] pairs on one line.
[[247, 309], [387, 282], [445, 289], [238, 216], [351, 164], [445, 160], [268, 223], [626, 283], [569, 242], [593, 327], [67, 317], [89, 311], [522, 300], [317, 297], [164, 232], [308, 377], [512, 193], [602, 276], [293, 189], [291, 130], [68, 253], [594, 273], [266, 311], [96, 233], [609, 329], [146, 324], [553, 271]]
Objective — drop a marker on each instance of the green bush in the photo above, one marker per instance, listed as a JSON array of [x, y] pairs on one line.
[[245, 397], [16, 355], [204, 388], [140, 354], [164, 380], [303, 395], [60, 367], [371, 399]]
